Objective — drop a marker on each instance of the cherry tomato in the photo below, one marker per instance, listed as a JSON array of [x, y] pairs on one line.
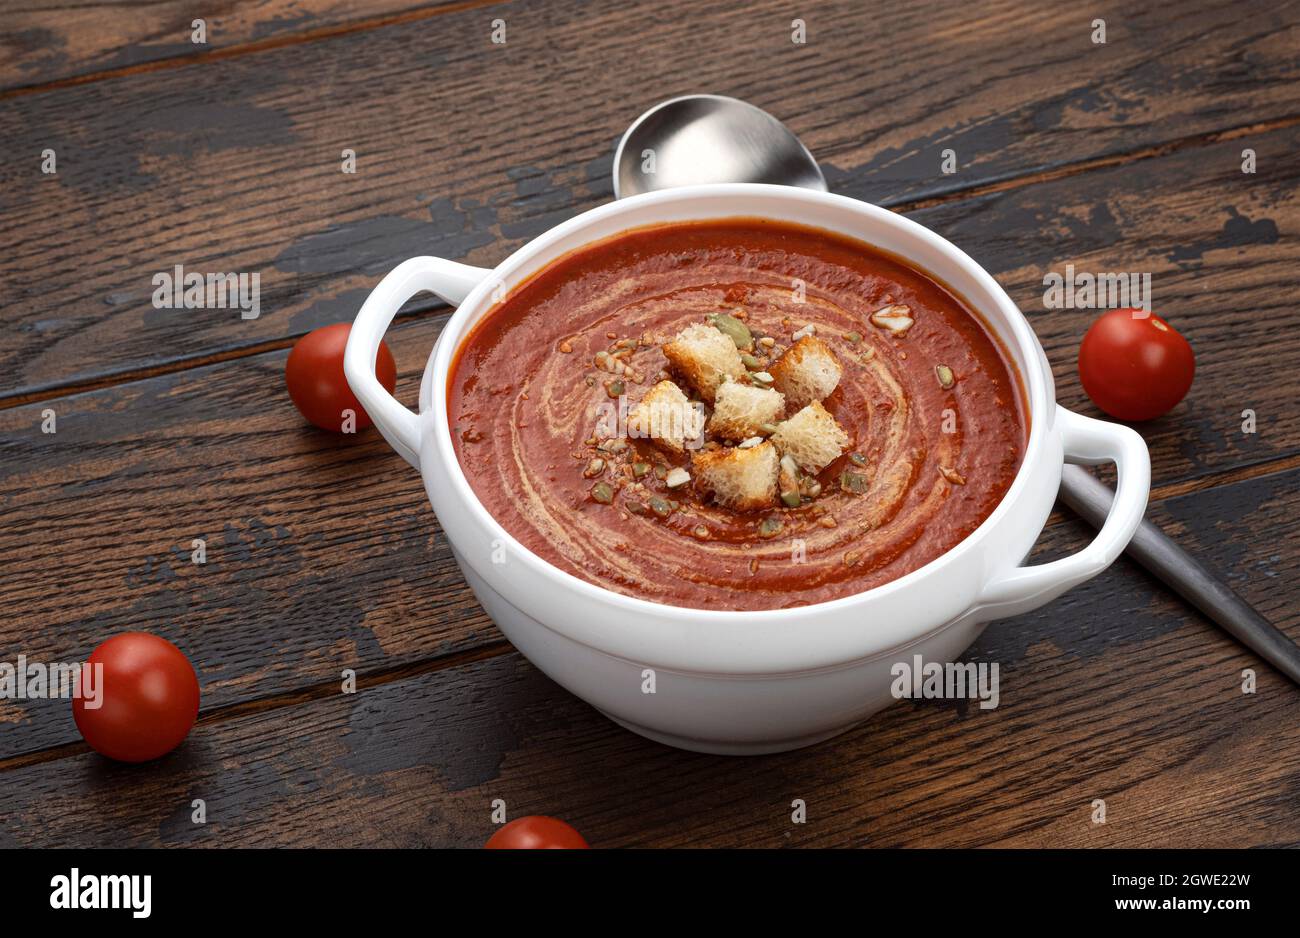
[[1134, 365], [537, 833], [148, 696], [314, 373]]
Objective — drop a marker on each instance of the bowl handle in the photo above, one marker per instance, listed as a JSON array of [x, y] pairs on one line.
[[1087, 442], [446, 279]]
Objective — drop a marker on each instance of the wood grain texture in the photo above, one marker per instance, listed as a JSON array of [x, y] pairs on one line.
[[466, 149], [46, 41], [323, 553], [1115, 692]]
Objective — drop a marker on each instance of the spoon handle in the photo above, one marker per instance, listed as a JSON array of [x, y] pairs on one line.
[[1090, 498]]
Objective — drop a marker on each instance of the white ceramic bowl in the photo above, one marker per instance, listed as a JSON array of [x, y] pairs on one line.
[[747, 682]]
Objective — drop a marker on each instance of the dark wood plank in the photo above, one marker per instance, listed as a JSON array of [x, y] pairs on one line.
[[324, 554], [1112, 692], [322, 551], [46, 41], [467, 149]]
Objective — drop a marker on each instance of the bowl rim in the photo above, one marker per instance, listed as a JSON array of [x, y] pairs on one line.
[[524, 262]]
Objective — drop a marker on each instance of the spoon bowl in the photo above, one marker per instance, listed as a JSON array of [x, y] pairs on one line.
[[705, 138]]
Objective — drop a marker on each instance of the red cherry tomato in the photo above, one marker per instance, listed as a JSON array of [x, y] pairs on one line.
[[314, 373], [1134, 365], [148, 698], [537, 833]]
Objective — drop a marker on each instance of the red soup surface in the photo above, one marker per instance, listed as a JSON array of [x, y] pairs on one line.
[[932, 422]]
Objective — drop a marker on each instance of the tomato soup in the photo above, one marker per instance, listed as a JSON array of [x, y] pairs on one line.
[[893, 417]]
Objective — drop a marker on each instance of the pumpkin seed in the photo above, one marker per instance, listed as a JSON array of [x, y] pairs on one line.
[[770, 526], [734, 329], [952, 475], [946, 378], [660, 507], [896, 318], [602, 493], [853, 482]]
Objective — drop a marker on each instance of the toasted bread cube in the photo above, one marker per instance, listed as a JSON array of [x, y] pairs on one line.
[[811, 438], [667, 418], [808, 371], [739, 479], [739, 410], [704, 356]]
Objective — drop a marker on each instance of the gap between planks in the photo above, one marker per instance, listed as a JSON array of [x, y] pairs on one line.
[[326, 689], [249, 48], [53, 392], [289, 698], [428, 310]]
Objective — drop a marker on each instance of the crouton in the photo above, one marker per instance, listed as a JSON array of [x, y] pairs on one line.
[[740, 411], [704, 356], [807, 371], [667, 419], [811, 438], [739, 479]]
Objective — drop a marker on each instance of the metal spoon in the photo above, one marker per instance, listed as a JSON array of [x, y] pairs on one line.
[[709, 138]]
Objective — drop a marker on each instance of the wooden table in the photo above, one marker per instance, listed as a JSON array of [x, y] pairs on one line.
[[322, 552]]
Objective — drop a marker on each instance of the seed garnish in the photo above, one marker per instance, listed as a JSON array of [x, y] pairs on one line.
[[897, 319], [734, 329], [952, 475], [946, 378], [853, 482], [602, 493]]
